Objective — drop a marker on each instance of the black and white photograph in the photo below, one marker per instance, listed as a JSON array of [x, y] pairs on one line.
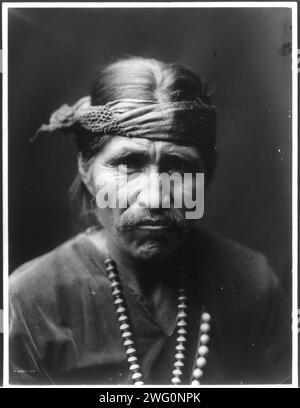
[[149, 187]]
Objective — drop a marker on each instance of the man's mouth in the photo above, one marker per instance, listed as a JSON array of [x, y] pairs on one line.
[[153, 224], [152, 227]]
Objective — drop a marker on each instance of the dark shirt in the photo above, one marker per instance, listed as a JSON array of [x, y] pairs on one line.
[[64, 329]]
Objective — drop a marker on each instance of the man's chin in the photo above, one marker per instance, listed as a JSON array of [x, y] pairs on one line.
[[152, 251], [152, 246]]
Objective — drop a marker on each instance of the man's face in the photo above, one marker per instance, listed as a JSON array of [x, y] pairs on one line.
[[148, 226]]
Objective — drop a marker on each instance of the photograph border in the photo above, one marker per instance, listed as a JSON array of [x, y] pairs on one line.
[[5, 178]]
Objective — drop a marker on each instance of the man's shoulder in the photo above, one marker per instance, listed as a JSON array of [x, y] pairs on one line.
[[247, 268], [250, 310], [57, 268], [239, 281], [227, 248]]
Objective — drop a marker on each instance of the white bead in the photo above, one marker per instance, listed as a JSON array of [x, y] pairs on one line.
[[132, 359], [201, 362], [121, 309], [182, 306], [124, 326], [118, 301], [131, 350], [115, 284], [182, 331], [182, 314], [179, 356], [128, 342], [197, 373], [181, 323], [139, 383], [176, 380], [204, 327], [204, 339], [126, 334], [116, 292], [122, 318], [177, 372], [178, 364], [180, 347], [181, 339], [108, 264], [136, 376], [203, 350], [206, 317], [134, 367], [195, 382]]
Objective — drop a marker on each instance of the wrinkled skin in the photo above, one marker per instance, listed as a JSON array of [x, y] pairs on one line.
[[144, 230]]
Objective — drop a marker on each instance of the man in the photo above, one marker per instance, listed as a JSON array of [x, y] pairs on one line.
[[143, 296]]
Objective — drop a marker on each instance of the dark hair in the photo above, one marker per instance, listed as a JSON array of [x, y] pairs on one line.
[[147, 79]]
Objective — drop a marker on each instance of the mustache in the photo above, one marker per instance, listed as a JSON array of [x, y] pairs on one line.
[[169, 218]]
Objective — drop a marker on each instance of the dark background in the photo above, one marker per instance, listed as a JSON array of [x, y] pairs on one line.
[[244, 54]]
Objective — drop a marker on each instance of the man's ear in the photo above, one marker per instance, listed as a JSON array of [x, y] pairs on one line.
[[85, 174]]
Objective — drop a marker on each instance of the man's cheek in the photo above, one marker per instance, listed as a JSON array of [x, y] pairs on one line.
[[116, 189], [127, 190], [108, 218], [107, 185], [104, 217]]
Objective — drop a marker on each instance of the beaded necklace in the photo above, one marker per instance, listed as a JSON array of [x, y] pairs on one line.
[[181, 329]]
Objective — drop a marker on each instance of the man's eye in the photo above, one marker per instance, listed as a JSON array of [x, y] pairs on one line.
[[130, 162], [177, 165]]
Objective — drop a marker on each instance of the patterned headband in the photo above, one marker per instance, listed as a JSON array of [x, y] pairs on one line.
[[172, 121]]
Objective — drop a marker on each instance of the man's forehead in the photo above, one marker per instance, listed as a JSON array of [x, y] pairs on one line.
[[119, 145]]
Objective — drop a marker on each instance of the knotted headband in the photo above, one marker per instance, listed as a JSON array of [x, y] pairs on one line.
[[173, 121], [183, 122]]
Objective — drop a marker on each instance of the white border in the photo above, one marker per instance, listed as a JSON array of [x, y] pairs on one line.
[[204, 4], [293, 7], [295, 194]]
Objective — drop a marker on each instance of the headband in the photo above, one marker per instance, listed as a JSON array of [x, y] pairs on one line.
[[179, 122]]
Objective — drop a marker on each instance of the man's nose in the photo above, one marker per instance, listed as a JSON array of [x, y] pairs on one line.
[[150, 195]]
